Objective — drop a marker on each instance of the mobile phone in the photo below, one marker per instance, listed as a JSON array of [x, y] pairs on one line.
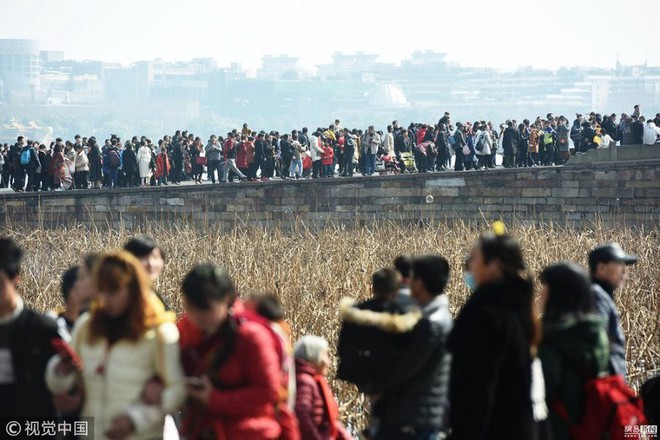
[[67, 352], [195, 382]]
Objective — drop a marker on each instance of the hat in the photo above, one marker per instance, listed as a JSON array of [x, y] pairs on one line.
[[310, 348], [609, 252]]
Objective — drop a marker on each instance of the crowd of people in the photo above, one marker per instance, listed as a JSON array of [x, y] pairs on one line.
[[227, 368], [323, 153]]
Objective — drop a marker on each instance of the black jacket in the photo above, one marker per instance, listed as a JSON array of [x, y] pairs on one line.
[[30, 340], [638, 132], [509, 140], [415, 392], [373, 335], [491, 366], [129, 160]]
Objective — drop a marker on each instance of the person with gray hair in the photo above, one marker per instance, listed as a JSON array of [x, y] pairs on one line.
[[316, 407]]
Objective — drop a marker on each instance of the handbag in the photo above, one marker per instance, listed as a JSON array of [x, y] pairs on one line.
[[201, 161], [466, 150]]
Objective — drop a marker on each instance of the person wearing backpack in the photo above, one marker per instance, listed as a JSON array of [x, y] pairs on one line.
[[113, 163], [30, 163], [483, 147], [607, 266], [575, 348], [232, 366]]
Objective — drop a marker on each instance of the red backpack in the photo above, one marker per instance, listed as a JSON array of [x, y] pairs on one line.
[[611, 411]]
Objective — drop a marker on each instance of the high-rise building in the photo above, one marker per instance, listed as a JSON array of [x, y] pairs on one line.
[[19, 69]]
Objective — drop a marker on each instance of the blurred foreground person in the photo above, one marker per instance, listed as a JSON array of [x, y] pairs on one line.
[[411, 398], [493, 344], [25, 345], [607, 264], [587, 403], [233, 373], [575, 348], [122, 344], [316, 407], [152, 258]]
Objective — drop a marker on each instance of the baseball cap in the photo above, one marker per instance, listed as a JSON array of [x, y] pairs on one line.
[[609, 252]]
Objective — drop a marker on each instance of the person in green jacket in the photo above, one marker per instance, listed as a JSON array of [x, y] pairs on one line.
[[575, 346]]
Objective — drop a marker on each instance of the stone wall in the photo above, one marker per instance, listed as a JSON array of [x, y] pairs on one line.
[[613, 153], [572, 195]]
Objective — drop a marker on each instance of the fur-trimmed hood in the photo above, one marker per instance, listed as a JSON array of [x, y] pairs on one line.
[[387, 322]]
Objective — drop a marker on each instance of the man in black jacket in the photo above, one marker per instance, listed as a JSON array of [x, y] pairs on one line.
[[509, 143], [15, 157], [25, 345], [413, 397], [638, 130]]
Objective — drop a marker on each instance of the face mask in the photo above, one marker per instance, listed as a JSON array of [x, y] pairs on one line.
[[469, 281]]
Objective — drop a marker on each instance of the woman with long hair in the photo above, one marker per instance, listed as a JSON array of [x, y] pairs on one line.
[[493, 344], [575, 346], [125, 342], [57, 165], [95, 170], [144, 157]]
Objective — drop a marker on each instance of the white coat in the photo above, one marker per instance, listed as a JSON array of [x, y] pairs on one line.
[[144, 162], [128, 366], [315, 150]]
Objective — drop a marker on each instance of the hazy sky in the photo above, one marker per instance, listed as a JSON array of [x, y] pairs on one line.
[[502, 34]]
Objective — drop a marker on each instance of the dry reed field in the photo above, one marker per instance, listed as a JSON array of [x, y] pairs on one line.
[[311, 270]]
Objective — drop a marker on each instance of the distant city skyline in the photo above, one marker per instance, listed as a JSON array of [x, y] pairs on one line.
[[504, 35]]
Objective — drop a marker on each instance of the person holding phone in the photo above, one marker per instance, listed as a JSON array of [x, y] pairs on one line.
[[232, 367], [122, 344]]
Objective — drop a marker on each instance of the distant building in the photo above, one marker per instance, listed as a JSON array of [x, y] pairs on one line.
[[279, 68], [19, 69]]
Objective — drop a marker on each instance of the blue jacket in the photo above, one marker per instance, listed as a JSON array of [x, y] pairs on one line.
[[606, 308]]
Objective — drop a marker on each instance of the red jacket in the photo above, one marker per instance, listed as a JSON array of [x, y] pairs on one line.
[[421, 134], [162, 165], [328, 156], [242, 156], [244, 407], [311, 408]]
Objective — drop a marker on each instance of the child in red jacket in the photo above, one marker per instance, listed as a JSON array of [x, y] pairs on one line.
[[328, 161]]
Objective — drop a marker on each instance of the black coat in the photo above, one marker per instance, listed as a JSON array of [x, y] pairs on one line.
[[509, 140], [491, 375], [416, 390], [129, 160], [373, 335], [638, 132], [94, 157], [30, 340]]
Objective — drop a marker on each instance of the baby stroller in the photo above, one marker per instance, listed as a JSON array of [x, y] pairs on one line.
[[387, 164], [408, 162]]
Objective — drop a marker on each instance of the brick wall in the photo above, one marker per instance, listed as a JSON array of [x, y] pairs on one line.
[[617, 192]]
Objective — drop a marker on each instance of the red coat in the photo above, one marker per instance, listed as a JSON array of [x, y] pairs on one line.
[[311, 408], [245, 406], [328, 156], [242, 156], [162, 165]]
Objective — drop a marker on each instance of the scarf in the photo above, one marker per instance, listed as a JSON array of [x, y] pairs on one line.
[[329, 403]]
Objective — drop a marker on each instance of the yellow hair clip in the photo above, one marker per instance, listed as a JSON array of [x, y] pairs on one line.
[[499, 228]]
